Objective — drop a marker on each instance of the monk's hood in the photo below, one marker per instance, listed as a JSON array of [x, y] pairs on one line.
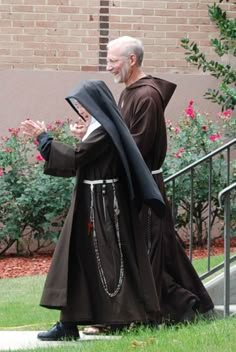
[[164, 88]]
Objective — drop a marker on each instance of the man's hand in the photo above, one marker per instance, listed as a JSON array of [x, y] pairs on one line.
[[33, 129]]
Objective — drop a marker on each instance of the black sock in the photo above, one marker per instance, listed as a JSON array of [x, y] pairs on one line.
[[69, 325]]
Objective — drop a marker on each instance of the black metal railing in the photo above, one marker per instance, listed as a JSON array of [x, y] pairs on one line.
[[224, 201], [227, 148]]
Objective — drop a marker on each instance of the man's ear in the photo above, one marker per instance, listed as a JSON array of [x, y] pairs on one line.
[[133, 59]]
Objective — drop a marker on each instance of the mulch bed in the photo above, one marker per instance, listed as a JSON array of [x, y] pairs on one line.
[[14, 266], [38, 264]]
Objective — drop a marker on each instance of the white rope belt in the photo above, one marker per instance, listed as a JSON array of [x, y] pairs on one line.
[[155, 172], [98, 182]]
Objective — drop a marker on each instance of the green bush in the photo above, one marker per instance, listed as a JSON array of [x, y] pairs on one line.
[[223, 45], [33, 205], [194, 137]]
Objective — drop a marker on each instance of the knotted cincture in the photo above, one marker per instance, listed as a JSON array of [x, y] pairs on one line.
[[92, 228], [156, 172]]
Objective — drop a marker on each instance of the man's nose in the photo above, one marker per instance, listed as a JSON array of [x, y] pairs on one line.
[[109, 66]]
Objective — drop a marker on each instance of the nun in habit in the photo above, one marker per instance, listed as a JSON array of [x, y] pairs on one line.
[[100, 271]]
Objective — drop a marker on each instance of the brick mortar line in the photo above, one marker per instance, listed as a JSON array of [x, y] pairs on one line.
[[103, 32]]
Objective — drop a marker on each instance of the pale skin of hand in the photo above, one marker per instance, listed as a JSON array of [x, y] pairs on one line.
[[33, 129]]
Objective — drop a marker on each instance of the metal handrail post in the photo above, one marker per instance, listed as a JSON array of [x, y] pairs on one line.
[[224, 197], [227, 254]]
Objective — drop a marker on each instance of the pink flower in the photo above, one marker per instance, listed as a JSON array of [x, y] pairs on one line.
[[176, 130], [1, 172], [191, 103], [36, 143], [4, 138], [49, 126], [204, 128], [213, 137], [190, 112], [14, 131], [227, 113], [182, 149], [7, 150], [177, 155], [40, 158], [59, 122], [169, 123]]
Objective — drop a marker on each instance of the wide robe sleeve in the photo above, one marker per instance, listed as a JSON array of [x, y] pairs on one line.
[[63, 160]]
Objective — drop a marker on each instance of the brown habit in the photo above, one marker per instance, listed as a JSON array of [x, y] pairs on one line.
[[142, 106], [73, 284]]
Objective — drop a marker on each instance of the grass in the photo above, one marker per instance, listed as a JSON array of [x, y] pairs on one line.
[[19, 304], [201, 264], [20, 310], [213, 336]]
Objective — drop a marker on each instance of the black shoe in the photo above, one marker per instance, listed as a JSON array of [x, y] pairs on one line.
[[60, 331]]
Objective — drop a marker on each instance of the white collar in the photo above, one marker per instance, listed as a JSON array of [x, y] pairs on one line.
[[94, 124]]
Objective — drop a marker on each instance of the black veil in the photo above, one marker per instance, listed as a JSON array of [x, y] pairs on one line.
[[97, 99]]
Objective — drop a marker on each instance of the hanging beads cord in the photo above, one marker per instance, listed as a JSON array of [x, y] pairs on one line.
[[96, 246], [149, 242]]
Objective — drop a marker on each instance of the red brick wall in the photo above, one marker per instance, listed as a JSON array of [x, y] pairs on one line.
[[71, 35]]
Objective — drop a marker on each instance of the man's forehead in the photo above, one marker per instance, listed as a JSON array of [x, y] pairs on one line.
[[114, 51]]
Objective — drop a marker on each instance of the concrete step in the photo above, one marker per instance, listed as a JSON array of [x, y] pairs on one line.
[[219, 309], [215, 288]]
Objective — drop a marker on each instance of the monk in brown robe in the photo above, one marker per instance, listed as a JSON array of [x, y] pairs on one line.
[[142, 104], [100, 271]]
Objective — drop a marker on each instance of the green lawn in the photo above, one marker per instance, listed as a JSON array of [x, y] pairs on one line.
[[20, 310], [201, 264], [19, 304]]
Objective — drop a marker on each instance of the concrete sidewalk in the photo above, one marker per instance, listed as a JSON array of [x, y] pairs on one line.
[[18, 340]]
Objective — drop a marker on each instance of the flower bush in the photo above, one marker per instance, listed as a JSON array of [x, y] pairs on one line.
[[33, 205], [193, 137], [228, 123]]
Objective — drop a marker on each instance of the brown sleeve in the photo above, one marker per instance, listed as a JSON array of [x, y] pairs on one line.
[[144, 124], [64, 160], [94, 146]]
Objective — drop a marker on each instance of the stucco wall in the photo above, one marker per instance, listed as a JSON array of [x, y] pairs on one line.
[[40, 95]]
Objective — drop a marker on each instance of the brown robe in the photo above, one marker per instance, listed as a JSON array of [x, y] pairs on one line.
[[142, 106], [73, 284]]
